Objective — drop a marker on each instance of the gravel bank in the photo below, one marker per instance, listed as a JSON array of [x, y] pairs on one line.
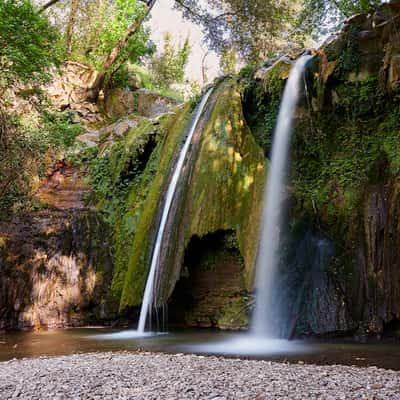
[[163, 376]]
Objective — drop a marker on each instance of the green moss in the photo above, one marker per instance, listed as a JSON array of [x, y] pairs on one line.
[[225, 185], [224, 192], [262, 101], [229, 175], [346, 55], [142, 207], [235, 315], [127, 182]]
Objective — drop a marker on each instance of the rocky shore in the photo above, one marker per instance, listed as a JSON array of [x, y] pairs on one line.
[[126, 375]]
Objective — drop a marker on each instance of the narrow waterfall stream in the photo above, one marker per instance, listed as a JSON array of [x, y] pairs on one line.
[[149, 295], [266, 316]]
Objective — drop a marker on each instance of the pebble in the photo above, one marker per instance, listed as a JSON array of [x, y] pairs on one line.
[[147, 376]]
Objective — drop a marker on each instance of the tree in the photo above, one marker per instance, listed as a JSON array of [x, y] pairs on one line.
[[71, 25], [48, 5], [169, 66], [254, 27], [104, 34], [228, 61], [121, 45], [318, 16], [29, 45]]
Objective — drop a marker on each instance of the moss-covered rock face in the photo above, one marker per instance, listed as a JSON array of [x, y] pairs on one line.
[[220, 189], [128, 181], [226, 187], [340, 263], [223, 191], [120, 102], [344, 176]]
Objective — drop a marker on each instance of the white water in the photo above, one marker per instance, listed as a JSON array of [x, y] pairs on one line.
[[148, 297], [266, 315]]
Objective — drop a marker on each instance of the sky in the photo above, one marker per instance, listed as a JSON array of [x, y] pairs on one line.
[[165, 19]]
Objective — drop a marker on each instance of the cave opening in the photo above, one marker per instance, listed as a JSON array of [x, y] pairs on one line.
[[391, 329], [211, 292], [138, 162]]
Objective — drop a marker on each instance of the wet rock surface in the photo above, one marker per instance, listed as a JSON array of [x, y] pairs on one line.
[[154, 376]]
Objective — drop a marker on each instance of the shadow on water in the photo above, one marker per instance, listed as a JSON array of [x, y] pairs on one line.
[[73, 341]]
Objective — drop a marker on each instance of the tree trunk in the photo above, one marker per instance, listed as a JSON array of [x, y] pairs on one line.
[[71, 25], [115, 52]]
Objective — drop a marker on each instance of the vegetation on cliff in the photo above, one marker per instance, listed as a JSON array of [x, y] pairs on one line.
[[345, 166], [344, 186]]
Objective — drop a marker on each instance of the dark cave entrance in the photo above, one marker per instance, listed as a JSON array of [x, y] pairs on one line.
[[391, 329], [211, 291]]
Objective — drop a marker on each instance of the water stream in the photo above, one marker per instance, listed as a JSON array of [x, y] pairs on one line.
[[264, 328], [149, 295], [266, 317], [266, 325]]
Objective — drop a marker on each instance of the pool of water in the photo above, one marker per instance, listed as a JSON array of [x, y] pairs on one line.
[[83, 340]]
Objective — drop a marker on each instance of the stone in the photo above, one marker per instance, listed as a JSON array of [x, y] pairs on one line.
[[119, 102], [145, 376], [151, 105], [281, 68]]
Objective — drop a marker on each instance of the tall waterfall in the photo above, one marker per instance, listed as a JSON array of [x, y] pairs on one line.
[[148, 298], [266, 316]]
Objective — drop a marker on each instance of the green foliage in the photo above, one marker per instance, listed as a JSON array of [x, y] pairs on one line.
[[169, 66], [116, 22], [28, 43], [254, 27], [99, 25], [113, 175], [350, 7], [389, 129], [349, 58], [319, 16], [262, 106], [24, 156], [246, 72], [338, 152], [56, 131]]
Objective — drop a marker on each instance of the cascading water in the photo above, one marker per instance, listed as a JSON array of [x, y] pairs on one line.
[[264, 329], [148, 297], [265, 320], [149, 291]]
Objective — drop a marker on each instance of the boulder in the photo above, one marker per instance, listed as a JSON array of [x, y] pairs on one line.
[[151, 105], [119, 102], [107, 135]]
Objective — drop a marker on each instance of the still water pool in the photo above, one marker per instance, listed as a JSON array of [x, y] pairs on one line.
[[83, 340]]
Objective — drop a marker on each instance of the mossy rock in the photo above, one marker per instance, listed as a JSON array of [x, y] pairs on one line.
[[221, 189]]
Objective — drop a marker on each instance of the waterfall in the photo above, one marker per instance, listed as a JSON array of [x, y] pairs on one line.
[[267, 315], [148, 297]]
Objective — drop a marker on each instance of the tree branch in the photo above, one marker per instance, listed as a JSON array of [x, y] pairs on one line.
[[182, 4], [47, 5]]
